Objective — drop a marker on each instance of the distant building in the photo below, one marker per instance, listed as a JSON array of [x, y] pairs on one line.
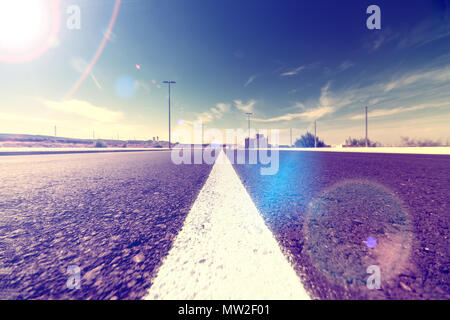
[[258, 142]]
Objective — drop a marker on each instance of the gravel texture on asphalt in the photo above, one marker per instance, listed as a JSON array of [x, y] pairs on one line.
[[114, 215], [336, 214]]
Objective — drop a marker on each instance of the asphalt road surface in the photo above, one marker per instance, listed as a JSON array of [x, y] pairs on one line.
[[336, 214], [114, 215], [139, 226]]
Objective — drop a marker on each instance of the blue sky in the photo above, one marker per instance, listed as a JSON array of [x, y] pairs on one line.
[[288, 62]]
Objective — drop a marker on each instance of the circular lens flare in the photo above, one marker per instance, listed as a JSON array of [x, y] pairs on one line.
[[28, 28]]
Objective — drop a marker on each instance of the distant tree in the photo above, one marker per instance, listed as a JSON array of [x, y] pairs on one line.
[[307, 141], [100, 144], [407, 142], [361, 142]]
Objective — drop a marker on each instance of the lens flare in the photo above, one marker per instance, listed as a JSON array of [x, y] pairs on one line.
[[98, 53], [28, 28], [355, 224], [126, 87]]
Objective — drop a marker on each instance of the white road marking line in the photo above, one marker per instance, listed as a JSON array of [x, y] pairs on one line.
[[224, 250], [400, 150]]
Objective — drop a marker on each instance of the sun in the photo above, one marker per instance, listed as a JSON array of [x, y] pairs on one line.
[[28, 28]]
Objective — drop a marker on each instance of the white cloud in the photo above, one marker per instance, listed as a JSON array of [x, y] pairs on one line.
[[381, 38], [326, 104], [388, 112], [214, 113], [425, 32], [293, 72], [441, 75], [250, 80], [20, 118], [245, 107], [345, 65], [308, 115], [84, 109], [324, 100]]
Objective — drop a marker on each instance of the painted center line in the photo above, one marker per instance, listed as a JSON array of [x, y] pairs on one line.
[[224, 250]]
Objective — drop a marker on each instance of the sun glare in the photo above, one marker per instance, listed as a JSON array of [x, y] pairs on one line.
[[27, 28]]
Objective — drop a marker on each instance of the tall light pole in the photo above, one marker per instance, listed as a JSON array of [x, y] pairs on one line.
[[291, 137], [169, 82], [203, 134], [367, 139], [315, 134], [249, 115]]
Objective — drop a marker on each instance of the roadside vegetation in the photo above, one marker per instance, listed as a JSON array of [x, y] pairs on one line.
[[408, 142], [361, 142], [100, 144], [307, 141]]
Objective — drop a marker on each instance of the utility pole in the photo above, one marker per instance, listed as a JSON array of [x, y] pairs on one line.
[[315, 134], [291, 137], [55, 131], [249, 115], [367, 139], [169, 82], [203, 134]]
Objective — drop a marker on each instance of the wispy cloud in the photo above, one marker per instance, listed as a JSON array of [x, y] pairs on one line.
[[293, 72], [248, 107], [345, 65], [423, 33], [213, 113], [440, 75], [426, 32], [380, 38], [308, 115], [250, 80], [389, 112], [326, 104], [20, 118], [84, 109]]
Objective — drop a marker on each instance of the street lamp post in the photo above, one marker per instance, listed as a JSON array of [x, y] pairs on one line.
[[315, 134], [367, 138], [169, 83], [249, 115]]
